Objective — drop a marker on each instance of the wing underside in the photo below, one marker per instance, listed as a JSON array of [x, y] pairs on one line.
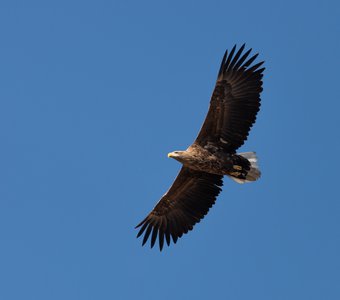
[[185, 204], [234, 103]]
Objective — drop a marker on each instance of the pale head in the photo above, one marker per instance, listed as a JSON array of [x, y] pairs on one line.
[[178, 155]]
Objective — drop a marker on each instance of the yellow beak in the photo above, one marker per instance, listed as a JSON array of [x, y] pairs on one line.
[[170, 154]]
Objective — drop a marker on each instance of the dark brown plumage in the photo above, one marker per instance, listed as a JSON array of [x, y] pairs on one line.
[[195, 192], [233, 107]]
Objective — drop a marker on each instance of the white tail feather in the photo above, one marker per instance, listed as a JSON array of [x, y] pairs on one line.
[[254, 172]]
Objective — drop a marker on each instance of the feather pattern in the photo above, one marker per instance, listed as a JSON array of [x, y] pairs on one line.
[[234, 103], [188, 200]]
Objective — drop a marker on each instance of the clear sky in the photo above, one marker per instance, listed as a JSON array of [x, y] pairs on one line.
[[93, 96]]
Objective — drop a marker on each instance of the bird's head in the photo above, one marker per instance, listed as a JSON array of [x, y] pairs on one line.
[[178, 155]]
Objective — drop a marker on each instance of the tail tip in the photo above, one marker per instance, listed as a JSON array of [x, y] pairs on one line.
[[254, 173]]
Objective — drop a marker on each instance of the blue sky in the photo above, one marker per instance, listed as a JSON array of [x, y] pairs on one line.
[[93, 97]]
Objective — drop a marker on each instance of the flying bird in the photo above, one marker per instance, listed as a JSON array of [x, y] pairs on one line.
[[234, 105]]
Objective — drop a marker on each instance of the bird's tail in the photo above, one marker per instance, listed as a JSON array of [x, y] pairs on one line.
[[245, 168]]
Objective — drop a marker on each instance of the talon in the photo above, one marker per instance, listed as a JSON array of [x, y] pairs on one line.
[[239, 168]]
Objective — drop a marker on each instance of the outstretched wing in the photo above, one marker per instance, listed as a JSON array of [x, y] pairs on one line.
[[234, 102], [185, 204]]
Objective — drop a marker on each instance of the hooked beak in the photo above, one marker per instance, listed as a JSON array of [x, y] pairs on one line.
[[171, 154]]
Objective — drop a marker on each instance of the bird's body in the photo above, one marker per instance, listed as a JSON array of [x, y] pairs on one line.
[[200, 159], [233, 108], [214, 161]]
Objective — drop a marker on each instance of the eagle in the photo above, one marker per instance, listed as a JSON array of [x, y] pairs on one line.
[[234, 104]]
